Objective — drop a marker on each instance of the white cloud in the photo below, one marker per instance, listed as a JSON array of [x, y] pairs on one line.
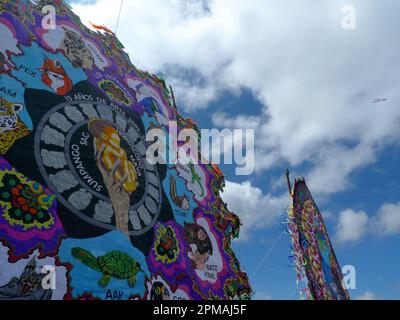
[[352, 226], [327, 215], [333, 165], [368, 295], [255, 209], [387, 221], [260, 295], [222, 119], [259, 210]]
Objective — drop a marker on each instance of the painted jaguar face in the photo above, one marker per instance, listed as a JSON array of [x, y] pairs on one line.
[[9, 115]]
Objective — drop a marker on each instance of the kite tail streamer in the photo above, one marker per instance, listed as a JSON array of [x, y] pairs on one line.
[[101, 27], [295, 257]]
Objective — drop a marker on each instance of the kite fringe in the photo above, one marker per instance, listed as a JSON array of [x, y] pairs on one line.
[[295, 258]]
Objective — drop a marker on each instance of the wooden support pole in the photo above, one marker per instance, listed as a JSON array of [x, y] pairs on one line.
[[173, 96], [288, 182]]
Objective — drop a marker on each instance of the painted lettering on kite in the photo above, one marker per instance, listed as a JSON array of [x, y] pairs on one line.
[[27, 70], [8, 92], [80, 168]]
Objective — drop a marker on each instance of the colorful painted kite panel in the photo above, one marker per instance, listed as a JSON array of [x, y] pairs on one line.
[[78, 199]]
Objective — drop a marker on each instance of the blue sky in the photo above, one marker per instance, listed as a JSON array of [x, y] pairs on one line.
[[304, 83], [376, 258]]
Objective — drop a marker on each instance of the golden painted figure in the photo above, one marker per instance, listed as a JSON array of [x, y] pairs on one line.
[[119, 174]]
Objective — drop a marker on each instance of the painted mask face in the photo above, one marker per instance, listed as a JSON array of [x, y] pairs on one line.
[[55, 76]]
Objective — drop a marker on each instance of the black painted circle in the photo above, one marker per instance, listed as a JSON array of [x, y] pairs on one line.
[[79, 152]]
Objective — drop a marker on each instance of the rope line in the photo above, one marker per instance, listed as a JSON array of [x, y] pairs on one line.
[[266, 255], [119, 16]]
